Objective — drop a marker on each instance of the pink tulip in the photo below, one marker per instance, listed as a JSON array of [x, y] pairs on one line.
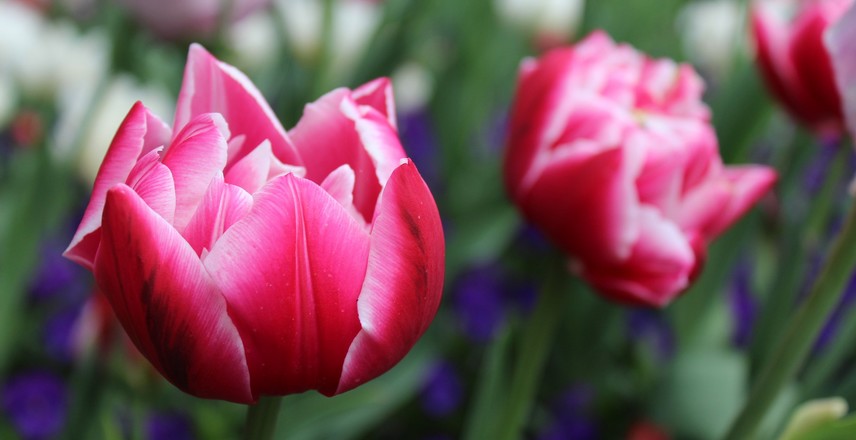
[[611, 154], [189, 18], [788, 36], [841, 43], [245, 261]]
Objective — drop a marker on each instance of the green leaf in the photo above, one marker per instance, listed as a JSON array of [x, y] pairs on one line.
[[701, 393]]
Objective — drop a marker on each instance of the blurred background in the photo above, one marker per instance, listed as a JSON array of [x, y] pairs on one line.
[[71, 69]]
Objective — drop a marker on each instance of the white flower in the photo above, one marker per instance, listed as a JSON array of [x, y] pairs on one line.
[[254, 41], [551, 18], [354, 23], [413, 86], [712, 31], [107, 113], [45, 57]]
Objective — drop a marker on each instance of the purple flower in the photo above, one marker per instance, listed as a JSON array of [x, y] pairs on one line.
[[830, 329], [58, 333], [649, 327], [743, 305], [418, 139], [478, 300], [36, 404], [171, 426], [818, 169], [442, 391], [57, 276], [570, 416]]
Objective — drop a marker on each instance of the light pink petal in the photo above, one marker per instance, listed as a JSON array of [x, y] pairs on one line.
[[333, 132], [196, 155], [379, 138], [840, 40], [257, 167], [167, 303], [139, 133], [153, 182], [377, 94], [587, 205], [211, 86], [291, 271], [222, 206], [711, 208], [660, 266], [404, 280], [340, 185], [251, 171]]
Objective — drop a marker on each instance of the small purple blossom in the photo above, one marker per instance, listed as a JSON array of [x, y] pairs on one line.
[[478, 300], [172, 426], [744, 307], [58, 333], [570, 416], [56, 276], [818, 169], [420, 142], [650, 328], [35, 403], [442, 391]]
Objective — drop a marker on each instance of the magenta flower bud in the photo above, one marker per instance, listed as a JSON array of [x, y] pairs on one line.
[[244, 260], [794, 61], [611, 154]]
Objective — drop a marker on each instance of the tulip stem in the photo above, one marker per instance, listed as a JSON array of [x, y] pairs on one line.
[[261, 419], [795, 343], [533, 350]]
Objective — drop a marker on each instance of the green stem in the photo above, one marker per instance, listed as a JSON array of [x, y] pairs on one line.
[[796, 341], [532, 356], [780, 299], [261, 419]]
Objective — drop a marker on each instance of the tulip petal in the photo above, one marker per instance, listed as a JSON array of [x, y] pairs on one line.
[[840, 40], [255, 169], [153, 182], [404, 279], [167, 303], [587, 204], [139, 133], [378, 95], [212, 86], [535, 104], [251, 171], [777, 66], [659, 268], [291, 271], [222, 206], [196, 155], [334, 131], [714, 206], [379, 138]]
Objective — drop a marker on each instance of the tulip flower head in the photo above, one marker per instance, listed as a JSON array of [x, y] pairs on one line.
[[612, 156], [841, 43], [795, 63], [244, 260]]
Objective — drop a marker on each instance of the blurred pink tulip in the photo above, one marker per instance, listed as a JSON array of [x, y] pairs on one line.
[[794, 62], [189, 18], [611, 154], [245, 261], [841, 43]]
